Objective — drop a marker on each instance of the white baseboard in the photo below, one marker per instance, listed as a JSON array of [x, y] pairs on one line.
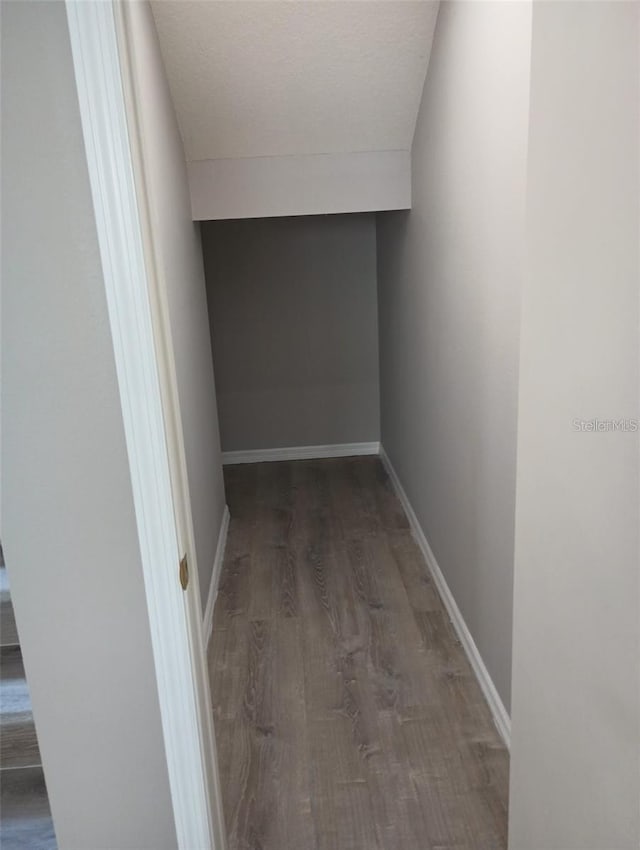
[[500, 715], [300, 453], [207, 622]]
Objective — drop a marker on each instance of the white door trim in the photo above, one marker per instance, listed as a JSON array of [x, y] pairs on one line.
[[141, 372], [165, 358]]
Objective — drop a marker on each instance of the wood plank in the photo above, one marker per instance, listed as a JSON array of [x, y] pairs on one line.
[[234, 589], [250, 787], [26, 818], [18, 741], [295, 826], [412, 570], [8, 630]]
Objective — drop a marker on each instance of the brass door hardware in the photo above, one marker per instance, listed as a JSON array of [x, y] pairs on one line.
[[184, 573]]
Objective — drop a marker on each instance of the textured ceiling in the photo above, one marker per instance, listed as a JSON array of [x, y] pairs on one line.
[[251, 79]]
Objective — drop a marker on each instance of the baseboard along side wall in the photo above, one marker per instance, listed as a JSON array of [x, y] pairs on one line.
[[500, 715], [207, 622]]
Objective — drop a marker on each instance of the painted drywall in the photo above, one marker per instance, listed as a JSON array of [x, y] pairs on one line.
[[273, 79], [68, 524], [181, 272], [296, 108], [449, 283], [294, 328], [316, 184], [575, 782]]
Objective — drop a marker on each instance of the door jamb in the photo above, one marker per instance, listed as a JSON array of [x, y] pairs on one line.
[[148, 395]]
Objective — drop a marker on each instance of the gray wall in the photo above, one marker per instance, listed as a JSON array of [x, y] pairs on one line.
[[69, 530], [575, 783], [181, 271], [294, 327], [449, 283]]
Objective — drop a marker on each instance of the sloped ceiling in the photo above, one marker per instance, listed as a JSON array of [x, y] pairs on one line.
[[298, 78]]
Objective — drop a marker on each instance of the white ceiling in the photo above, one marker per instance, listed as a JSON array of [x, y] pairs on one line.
[[256, 78]]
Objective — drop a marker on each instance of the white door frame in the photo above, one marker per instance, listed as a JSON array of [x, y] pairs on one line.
[[148, 393]]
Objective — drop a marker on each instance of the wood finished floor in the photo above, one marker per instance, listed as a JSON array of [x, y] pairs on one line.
[[347, 715], [25, 817]]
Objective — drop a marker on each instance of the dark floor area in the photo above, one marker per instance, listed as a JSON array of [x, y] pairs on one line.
[[25, 818], [347, 715]]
